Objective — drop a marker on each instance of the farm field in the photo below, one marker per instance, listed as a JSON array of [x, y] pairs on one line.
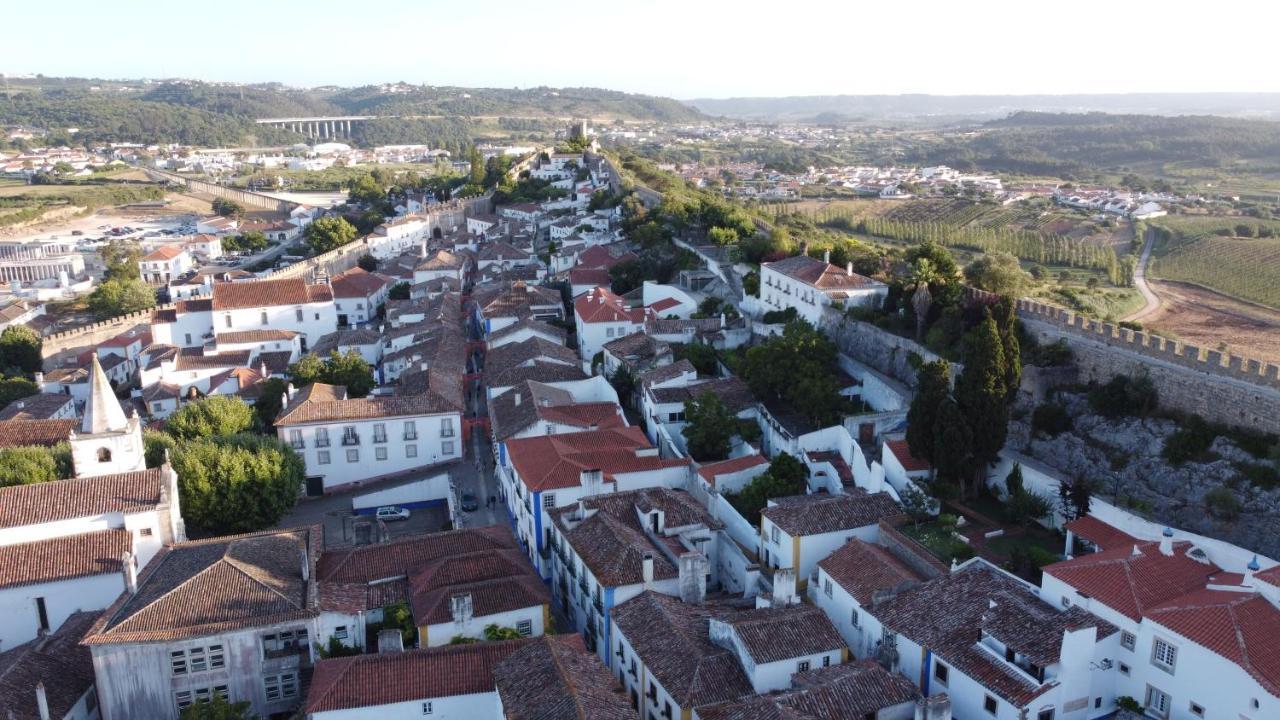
[[1194, 251], [1212, 320]]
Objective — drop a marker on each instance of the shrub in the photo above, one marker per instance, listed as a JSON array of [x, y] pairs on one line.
[[1191, 441], [775, 317], [1050, 419], [1222, 504], [1123, 395]]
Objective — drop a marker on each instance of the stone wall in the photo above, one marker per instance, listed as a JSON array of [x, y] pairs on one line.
[[881, 350], [60, 345], [247, 198]]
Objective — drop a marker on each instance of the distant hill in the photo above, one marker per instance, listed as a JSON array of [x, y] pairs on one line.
[[950, 108], [200, 113]]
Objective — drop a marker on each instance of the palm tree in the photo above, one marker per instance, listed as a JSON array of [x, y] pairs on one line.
[[922, 274]]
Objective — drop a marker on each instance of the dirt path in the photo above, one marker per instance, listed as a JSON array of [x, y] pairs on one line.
[[1210, 320], [1140, 281]]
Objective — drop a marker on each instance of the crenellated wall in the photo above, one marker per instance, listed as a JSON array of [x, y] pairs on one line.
[[1218, 386], [86, 336]]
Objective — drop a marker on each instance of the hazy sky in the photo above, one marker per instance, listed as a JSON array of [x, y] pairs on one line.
[[683, 49]]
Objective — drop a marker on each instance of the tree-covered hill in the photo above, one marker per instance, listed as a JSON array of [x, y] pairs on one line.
[[541, 101]]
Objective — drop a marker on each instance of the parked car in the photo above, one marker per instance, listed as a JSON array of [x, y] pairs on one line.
[[391, 513], [470, 503], [77, 233]]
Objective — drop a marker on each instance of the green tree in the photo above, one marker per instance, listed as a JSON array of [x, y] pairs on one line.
[[998, 272], [238, 483], [494, 631], [328, 233], [933, 387], [120, 258], [786, 476], [624, 383], [210, 417], [798, 369], [982, 394], [20, 350], [476, 176], [367, 262], [121, 297], [227, 208], [701, 356], [952, 440], [723, 236], [1005, 313], [27, 465], [218, 708], [923, 273], [366, 190], [709, 428], [399, 291], [335, 648], [270, 402], [155, 445], [348, 369], [16, 388]]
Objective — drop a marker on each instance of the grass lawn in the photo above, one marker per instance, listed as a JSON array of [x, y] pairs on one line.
[[939, 541]]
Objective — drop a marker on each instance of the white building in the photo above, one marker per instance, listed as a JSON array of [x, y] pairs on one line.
[[810, 285], [798, 531], [51, 677], [283, 304], [164, 264], [601, 316], [359, 295], [349, 441]]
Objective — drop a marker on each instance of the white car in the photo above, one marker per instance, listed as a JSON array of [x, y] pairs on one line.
[[392, 512]]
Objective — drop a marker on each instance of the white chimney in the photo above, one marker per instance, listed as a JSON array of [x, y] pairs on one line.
[[306, 565], [461, 608], [1166, 542], [826, 256], [130, 572], [39, 378], [693, 577], [722, 321], [1249, 571], [784, 587], [516, 399], [848, 268], [42, 701], [646, 570]]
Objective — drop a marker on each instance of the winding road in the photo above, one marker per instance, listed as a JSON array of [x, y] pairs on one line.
[[1140, 281]]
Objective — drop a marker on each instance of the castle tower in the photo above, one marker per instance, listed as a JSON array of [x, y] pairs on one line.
[[107, 442]]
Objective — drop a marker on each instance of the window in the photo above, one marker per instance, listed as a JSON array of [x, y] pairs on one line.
[[524, 627], [853, 618], [608, 332], [446, 427], [196, 660], [666, 709], [322, 437], [178, 662], [186, 338], [1163, 655], [1128, 640], [322, 457], [217, 659], [349, 435], [990, 704], [548, 500], [410, 431], [226, 320], [940, 672], [104, 455], [295, 440], [1197, 709], [353, 456], [1157, 702], [340, 632], [281, 687], [826, 587], [263, 317], [826, 661], [446, 447], [297, 314], [379, 453], [182, 698], [802, 666], [1045, 714], [426, 708], [1124, 669], [157, 407], [675, 417], [379, 432], [411, 451], [774, 534], [145, 532]]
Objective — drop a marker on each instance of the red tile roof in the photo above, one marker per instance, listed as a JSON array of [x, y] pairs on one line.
[[1241, 627], [598, 277], [710, 471], [166, 252], [602, 256], [358, 283], [1132, 579], [268, 293], [555, 678], [664, 304], [822, 275], [820, 513], [864, 570], [59, 661], [1105, 536], [433, 605], [557, 461], [81, 497], [599, 305], [35, 432], [382, 679], [63, 558], [902, 452], [370, 563]]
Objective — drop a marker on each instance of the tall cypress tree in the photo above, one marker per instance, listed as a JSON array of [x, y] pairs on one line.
[[1006, 317], [952, 443], [932, 388], [981, 392]]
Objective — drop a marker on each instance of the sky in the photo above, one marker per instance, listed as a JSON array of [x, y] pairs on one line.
[[683, 49]]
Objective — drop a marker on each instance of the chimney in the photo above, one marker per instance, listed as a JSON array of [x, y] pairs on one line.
[[936, 707], [390, 641], [784, 587], [646, 570], [722, 321], [591, 479], [306, 565], [826, 256], [1166, 542], [130, 572], [21, 404], [516, 399], [1249, 571], [461, 608], [42, 701], [39, 378], [693, 577], [848, 268]]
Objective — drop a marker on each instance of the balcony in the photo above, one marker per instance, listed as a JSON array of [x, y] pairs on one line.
[[350, 440], [297, 444], [379, 438], [410, 436], [322, 442], [597, 604]]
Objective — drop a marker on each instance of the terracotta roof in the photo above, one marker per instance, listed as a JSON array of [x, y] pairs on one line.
[[637, 347], [277, 361], [672, 639], [556, 461], [80, 497], [442, 260], [710, 471], [325, 405], [370, 563], [946, 615], [505, 357], [802, 515], [902, 452], [664, 304], [268, 293], [163, 316], [195, 359], [666, 373], [603, 256], [555, 678], [600, 305], [166, 252], [58, 661], [48, 433], [536, 326], [1100, 533], [385, 678], [824, 276], [732, 391], [433, 605], [867, 571], [852, 690], [500, 251], [551, 404], [196, 305], [1131, 579], [1241, 627], [63, 558], [595, 277], [612, 541], [517, 299], [255, 336], [774, 634], [358, 283], [539, 370], [210, 586]]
